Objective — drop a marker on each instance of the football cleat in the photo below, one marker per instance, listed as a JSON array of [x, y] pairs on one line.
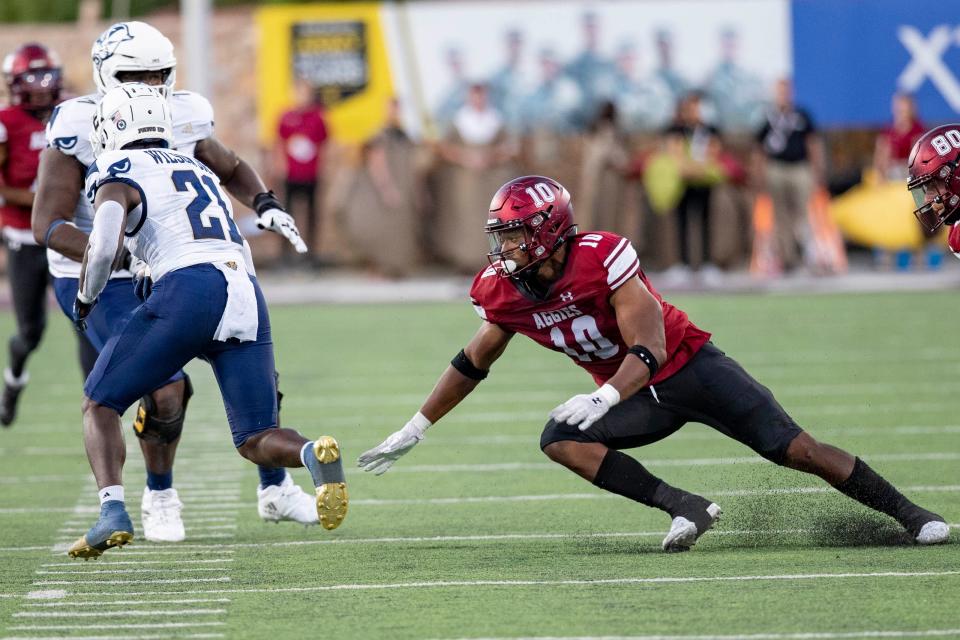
[[327, 472], [286, 501], [11, 396], [113, 529], [160, 515], [934, 532], [684, 532]]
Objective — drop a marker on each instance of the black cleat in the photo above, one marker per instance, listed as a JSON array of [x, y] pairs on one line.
[[694, 517], [11, 396]]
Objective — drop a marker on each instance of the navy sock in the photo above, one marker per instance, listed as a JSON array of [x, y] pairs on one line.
[[270, 476], [159, 481]]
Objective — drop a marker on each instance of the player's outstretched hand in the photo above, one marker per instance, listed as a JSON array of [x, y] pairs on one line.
[[272, 217], [382, 456], [586, 408], [80, 312]]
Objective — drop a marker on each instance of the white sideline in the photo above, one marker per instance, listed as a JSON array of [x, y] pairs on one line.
[[82, 571], [543, 583]]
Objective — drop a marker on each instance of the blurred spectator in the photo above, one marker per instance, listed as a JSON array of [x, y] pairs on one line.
[[890, 156], [601, 200], [645, 104], [382, 214], [895, 142], [595, 75], [505, 83], [456, 95], [737, 94], [553, 105], [298, 157], [478, 153], [663, 40], [789, 165], [696, 147]]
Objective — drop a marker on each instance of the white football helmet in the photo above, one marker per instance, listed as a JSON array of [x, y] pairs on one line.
[[129, 113], [132, 46]]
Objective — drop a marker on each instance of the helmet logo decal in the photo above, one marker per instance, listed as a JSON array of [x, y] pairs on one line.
[[108, 42], [536, 221]]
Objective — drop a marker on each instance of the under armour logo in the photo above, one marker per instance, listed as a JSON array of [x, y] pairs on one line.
[[597, 400], [566, 296], [927, 62]]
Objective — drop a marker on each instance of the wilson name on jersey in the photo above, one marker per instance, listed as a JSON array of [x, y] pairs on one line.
[[69, 131], [184, 217], [576, 317]]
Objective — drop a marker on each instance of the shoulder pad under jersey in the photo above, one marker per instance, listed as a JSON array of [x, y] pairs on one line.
[[192, 118], [70, 125]]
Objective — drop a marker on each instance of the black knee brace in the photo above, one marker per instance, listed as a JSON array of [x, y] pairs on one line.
[[148, 427]]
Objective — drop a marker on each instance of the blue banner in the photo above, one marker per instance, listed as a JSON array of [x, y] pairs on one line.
[[850, 57]]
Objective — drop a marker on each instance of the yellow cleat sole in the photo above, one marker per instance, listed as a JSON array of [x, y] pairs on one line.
[[326, 449], [332, 502], [82, 549]]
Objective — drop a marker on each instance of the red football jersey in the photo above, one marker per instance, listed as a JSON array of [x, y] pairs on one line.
[[24, 138], [303, 133], [577, 317]]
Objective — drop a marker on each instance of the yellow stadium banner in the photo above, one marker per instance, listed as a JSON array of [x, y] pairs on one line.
[[339, 49]]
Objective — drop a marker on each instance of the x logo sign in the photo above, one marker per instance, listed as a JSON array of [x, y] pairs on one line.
[[927, 62]]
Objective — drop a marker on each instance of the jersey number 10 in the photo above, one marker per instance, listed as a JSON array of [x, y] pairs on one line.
[[587, 335], [202, 220]]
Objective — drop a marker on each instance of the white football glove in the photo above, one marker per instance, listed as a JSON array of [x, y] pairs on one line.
[[586, 408], [279, 221], [382, 456]]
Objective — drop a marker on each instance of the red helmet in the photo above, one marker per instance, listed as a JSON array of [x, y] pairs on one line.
[[534, 213], [32, 73], [934, 181]]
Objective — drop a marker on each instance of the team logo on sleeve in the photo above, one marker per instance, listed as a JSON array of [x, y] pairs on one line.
[[107, 44], [118, 167], [65, 143]]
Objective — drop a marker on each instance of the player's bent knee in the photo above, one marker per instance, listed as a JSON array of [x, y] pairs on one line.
[[163, 425], [563, 452], [802, 452]]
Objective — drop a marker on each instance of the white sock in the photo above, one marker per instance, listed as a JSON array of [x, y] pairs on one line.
[[303, 452], [113, 492]]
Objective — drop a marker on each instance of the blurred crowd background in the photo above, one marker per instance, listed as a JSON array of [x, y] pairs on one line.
[[709, 133]]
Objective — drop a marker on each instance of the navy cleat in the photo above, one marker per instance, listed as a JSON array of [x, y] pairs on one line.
[[326, 468], [113, 529]]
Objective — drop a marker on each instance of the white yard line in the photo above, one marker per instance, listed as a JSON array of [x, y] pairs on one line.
[[147, 625], [123, 603], [547, 583], [129, 613], [802, 635], [111, 562]]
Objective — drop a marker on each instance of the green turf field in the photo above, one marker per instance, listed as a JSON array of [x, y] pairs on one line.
[[475, 533]]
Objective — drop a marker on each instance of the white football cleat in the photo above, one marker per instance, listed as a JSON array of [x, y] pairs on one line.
[[933, 533], [160, 515], [683, 533], [286, 501]]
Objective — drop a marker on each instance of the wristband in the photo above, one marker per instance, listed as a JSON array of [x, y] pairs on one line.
[[609, 394], [264, 201], [420, 423], [53, 225], [646, 356]]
